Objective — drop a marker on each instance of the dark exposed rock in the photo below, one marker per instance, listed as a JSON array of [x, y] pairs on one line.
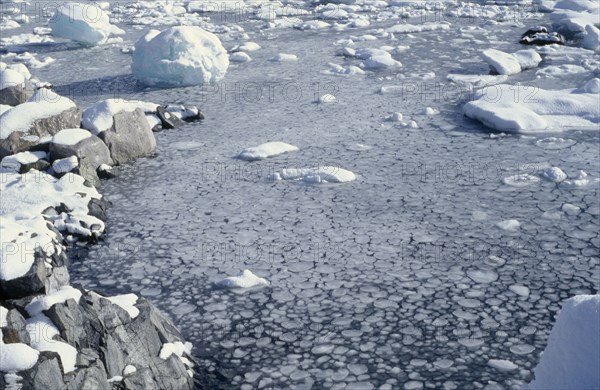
[[45, 375], [32, 282], [539, 35], [130, 137], [98, 208], [168, 119], [91, 152], [15, 331], [19, 141], [16, 94]]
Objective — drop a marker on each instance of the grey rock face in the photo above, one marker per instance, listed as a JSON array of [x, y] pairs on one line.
[[32, 282], [45, 375], [91, 152], [15, 331], [20, 141], [130, 137], [16, 94], [107, 340]]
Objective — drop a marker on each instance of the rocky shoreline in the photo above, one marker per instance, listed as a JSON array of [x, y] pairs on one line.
[[55, 335]]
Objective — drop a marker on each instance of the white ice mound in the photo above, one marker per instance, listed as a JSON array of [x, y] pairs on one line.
[[85, 23], [266, 150], [325, 174], [571, 358], [179, 56], [246, 280], [507, 64], [525, 109], [99, 117]]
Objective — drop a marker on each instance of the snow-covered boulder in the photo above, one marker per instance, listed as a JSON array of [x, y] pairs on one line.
[[88, 148], [523, 109], [85, 23], [15, 88], [571, 358], [123, 127], [35, 121], [179, 56], [23, 162]]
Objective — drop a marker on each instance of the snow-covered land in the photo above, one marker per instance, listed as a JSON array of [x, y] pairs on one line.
[[383, 194]]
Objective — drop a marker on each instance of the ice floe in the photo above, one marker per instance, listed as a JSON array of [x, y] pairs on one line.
[[523, 109], [266, 150], [322, 174], [246, 280]]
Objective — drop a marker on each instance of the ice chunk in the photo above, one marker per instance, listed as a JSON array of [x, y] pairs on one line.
[[554, 174], [246, 280], [269, 149], [528, 58], [502, 365], [510, 225], [502, 62], [283, 57], [85, 23], [239, 56], [179, 56], [327, 98], [571, 358], [591, 40], [522, 109], [325, 174]]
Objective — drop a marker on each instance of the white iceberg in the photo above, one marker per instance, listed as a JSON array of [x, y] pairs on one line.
[[85, 23], [571, 358], [179, 56]]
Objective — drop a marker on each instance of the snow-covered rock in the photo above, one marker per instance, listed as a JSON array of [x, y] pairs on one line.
[[99, 117], [23, 162], [14, 87], [571, 358], [82, 22], [266, 150], [90, 150], [246, 280], [179, 56], [30, 123], [522, 109]]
